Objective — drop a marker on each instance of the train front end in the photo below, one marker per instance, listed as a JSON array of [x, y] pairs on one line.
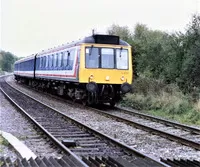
[[106, 69]]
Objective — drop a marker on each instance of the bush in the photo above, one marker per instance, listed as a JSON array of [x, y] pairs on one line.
[[162, 99]]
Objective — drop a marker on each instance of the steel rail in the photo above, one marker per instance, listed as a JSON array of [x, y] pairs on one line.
[[160, 120], [167, 135]]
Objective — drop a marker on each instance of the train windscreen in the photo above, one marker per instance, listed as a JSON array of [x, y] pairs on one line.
[[107, 58]]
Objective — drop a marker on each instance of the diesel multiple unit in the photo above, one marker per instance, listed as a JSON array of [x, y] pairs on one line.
[[94, 70]]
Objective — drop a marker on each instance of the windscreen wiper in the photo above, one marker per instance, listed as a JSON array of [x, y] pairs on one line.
[[120, 54], [90, 51]]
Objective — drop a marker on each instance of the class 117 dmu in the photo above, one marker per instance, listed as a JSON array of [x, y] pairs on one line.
[[94, 70]]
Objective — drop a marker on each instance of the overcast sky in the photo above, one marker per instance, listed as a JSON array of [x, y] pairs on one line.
[[28, 26]]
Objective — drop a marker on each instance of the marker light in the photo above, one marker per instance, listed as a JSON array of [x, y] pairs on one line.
[[107, 78]]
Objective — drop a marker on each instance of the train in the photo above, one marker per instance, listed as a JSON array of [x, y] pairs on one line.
[[94, 70]]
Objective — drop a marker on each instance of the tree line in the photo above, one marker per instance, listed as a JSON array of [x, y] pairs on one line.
[[172, 57], [7, 60]]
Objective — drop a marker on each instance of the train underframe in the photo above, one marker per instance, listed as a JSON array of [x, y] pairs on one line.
[[88, 94]]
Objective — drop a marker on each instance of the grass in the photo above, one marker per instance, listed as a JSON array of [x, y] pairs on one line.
[[3, 141], [1, 72], [165, 100]]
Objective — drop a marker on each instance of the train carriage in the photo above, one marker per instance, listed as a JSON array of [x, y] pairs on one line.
[[94, 70], [60, 64], [24, 68]]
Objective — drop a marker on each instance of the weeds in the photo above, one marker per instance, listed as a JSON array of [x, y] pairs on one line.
[[165, 100], [3, 141]]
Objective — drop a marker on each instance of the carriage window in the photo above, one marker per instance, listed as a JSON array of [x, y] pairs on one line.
[[122, 59], [50, 60], [107, 58], [91, 57], [44, 61], [59, 59], [41, 62], [55, 60], [62, 56], [47, 61]]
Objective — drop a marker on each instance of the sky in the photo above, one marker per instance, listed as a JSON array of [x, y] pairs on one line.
[[29, 26]]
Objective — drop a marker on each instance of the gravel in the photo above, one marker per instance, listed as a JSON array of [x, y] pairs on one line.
[[163, 127], [129, 108], [13, 122], [147, 143]]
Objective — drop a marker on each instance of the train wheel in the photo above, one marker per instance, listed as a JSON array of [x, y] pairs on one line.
[[84, 99], [74, 100], [90, 99], [112, 103], [84, 102]]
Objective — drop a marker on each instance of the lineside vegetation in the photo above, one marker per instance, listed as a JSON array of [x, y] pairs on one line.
[[165, 100], [167, 75]]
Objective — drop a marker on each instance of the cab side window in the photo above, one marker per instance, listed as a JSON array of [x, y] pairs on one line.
[[65, 59]]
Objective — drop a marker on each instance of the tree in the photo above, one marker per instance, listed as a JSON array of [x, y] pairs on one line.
[[7, 60], [190, 75], [149, 46], [122, 31]]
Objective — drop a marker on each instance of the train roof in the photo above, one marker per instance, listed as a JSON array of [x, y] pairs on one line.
[[25, 58], [104, 39], [96, 38]]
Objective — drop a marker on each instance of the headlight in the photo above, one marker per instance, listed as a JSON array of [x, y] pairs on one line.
[[122, 78], [125, 87], [91, 76]]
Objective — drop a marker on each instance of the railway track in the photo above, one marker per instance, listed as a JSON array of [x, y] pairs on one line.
[[160, 127], [74, 138], [159, 120], [186, 135], [180, 133]]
